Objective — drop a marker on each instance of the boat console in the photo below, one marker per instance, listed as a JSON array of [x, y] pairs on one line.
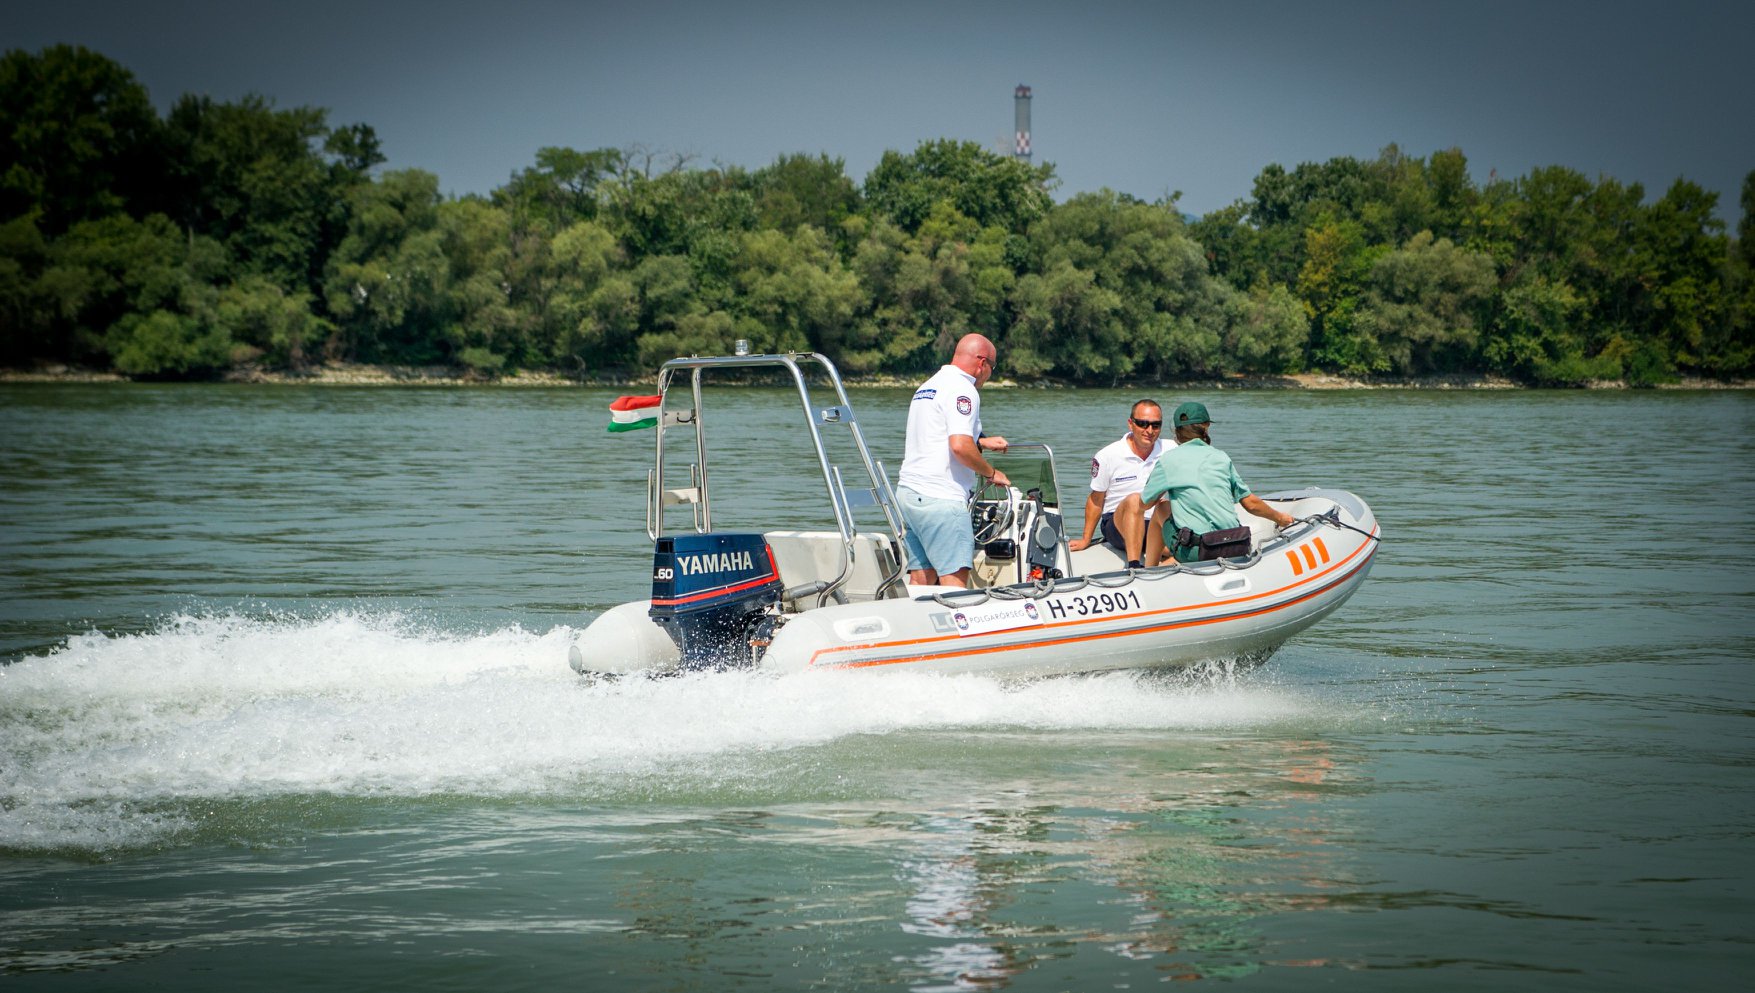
[[1020, 534]]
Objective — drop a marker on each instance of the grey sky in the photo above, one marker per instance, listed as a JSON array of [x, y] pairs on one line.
[[1144, 98]]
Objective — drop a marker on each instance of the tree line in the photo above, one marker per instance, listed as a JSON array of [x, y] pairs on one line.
[[222, 235]]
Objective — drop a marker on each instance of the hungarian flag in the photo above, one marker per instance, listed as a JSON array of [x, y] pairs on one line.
[[634, 413]]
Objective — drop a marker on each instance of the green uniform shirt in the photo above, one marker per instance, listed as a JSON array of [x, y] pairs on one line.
[[1204, 489]]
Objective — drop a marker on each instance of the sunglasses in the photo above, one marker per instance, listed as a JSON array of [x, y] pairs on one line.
[[1146, 424]]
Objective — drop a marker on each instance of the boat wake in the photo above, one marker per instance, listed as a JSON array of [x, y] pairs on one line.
[[115, 741]]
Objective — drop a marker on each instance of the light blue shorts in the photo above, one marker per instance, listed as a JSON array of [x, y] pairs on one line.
[[940, 536]]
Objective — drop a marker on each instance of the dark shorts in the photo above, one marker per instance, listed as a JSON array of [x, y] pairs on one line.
[[1111, 535]]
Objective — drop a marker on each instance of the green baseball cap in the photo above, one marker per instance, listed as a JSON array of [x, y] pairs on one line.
[[1190, 413]]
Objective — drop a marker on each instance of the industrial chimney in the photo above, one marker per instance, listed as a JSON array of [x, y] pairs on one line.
[[1021, 116]]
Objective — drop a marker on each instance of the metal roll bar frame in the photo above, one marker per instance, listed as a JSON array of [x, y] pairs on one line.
[[698, 494]]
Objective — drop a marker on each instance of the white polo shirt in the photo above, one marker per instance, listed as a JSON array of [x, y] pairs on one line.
[[944, 405], [1118, 473]]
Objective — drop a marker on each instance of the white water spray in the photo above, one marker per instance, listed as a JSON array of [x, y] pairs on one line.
[[107, 740]]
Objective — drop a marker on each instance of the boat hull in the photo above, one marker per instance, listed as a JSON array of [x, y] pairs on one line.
[[1172, 617], [1154, 619]]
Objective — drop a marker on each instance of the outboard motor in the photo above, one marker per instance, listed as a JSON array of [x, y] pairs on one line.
[[709, 592]]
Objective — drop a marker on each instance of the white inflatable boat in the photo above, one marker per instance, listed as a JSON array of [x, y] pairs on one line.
[[793, 601]]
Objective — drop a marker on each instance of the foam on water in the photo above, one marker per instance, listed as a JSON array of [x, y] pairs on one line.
[[106, 740]]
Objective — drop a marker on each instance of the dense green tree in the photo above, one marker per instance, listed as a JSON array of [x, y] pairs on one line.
[[266, 322], [166, 343], [1342, 187], [592, 310], [1267, 331], [26, 324], [1534, 335], [1175, 311], [1489, 225], [78, 139], [254, 179], [1681, 250], [1425, 305], [1604, 266], [1746, 226], [661, 305], [236, 233], [920, 293], [1550, 220], [486, 329], [990, 189], [988, 258], [698, 333], [355, 150], [1270, 242], [1738, 350], [388, 281], [651, 215], [141, 293], [1407, 205], [1454, 195], [561, 188], [886, 331], [1068, 325], [799, 189], [1231, 244], [1336, 262], [795, 291], [104, 273]]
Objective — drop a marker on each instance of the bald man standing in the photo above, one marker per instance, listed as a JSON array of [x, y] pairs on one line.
[[941, 462]]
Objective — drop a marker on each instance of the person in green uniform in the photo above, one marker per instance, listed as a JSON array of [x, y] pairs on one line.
[[1196, 486]]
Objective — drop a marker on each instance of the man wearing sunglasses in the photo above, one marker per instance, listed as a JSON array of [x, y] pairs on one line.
[[940, 463], [1118, 473]]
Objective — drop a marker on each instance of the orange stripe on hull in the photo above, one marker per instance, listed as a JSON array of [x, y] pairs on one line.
[[983, 650], [1093, 637]]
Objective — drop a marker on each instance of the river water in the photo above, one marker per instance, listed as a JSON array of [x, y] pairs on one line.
[[285, 703]]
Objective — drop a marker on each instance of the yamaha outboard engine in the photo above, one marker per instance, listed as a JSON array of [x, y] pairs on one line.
[[710, 591]]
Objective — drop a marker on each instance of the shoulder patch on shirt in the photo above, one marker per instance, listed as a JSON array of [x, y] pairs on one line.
[[1095, 466], [925, 394], [965, 405]]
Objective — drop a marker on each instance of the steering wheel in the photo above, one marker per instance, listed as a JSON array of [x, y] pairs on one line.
[[992, 516]]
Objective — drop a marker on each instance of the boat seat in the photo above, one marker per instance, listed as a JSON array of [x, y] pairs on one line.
[[1099, 557], [814, 556]]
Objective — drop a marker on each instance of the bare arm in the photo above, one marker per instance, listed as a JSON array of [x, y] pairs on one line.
[[1093, 514], [966, 451], [1260, 508]]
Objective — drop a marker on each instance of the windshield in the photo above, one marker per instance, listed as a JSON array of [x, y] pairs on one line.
[[1029, 466]]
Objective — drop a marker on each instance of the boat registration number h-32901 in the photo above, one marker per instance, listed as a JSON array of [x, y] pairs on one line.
[[1005, 615], [1093, 604]]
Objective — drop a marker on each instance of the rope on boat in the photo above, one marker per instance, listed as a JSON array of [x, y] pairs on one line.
[[1111, 580], [1332, 518], [1036, 590]]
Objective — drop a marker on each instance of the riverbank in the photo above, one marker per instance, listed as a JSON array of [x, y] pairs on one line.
[[354, 374]]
